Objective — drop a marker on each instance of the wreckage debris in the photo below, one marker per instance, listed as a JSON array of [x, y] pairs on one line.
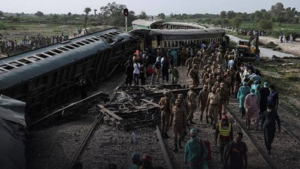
[[136, 107]]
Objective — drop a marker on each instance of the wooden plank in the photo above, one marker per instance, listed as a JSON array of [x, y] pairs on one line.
[[110, 113]]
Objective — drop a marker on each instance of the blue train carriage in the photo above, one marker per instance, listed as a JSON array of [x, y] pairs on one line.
[[46, 78], [177, 38]]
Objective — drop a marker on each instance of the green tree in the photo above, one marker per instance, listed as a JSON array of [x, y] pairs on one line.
[[223, 15], [1, 13], [39, 14], [161, 16], [231, 14], [265, 24], [143, 15], [87, 10], [236, 22], [225, 22], [69, 14], [277, 9]]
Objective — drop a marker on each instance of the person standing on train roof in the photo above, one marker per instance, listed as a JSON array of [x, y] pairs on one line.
[[268, 126], [136, 72]]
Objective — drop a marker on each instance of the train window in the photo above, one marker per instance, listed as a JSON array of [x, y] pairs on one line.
[[76, 46], [69, 47], [2, 71], [108, 35], [49, 53], [56, 51], [7, 67], [90, 40], [96, 39], [86, 42], [63, 49], [103, 37], [42, 55], [25, 61], [34, 58], [80, 43], [17, 64]]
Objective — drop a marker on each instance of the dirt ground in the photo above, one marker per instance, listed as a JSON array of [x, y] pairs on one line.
[[291, 48]]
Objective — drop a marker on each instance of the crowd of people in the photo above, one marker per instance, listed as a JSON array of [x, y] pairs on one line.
[[220, 78], [286, 39], [8, 46]]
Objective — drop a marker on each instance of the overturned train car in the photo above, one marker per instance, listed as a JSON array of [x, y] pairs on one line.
[[48, 77]]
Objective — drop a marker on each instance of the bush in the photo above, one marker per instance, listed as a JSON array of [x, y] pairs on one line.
[[265, 25]]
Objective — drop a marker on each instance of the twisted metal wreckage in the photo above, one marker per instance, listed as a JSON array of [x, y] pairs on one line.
[[136, 107]]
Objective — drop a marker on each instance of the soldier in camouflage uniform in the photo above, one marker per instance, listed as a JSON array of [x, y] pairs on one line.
[[224, 99], [185, 106], [194, 75], [178, 123], [202, 100], [175, 74], [189, 64], [166, 108], [197, 61], [228, 81], [192, 103], [213, 103]]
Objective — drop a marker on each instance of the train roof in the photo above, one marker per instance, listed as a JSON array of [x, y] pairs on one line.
[[184, 24], [179, 31], [27, 65], [145, 22]]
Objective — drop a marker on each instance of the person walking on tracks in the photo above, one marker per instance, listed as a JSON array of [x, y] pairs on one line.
[[185, 107], [264, 94], [202, 100], [166, 108], [213, 103], [223, 136], [195, 154], [244, 90], [268, 125], [175, 74], [136, 72], [178, 123], [237, 153], [273, 97], [252, 109], [129, 74], [191, 97]]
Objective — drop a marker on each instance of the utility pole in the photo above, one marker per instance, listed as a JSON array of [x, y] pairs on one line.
[[125, 12]]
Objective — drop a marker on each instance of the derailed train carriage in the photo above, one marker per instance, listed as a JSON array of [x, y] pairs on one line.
[[177, 38], [48, 77]]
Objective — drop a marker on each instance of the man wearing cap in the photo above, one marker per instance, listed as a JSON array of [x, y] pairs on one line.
[[224, 99], [244, 90], [166, 108], [178, 123], [189, 64], [135, 161], [191, 97], [146, 162], [213, 103], [197, 61], [252, 109], [264, 94], [225, 133], [202, 100], [195, 154], [194, 75]]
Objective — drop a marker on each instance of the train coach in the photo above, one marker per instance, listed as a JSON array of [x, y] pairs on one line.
[[48, 77]]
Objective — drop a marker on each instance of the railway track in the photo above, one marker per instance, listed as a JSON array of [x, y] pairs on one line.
[[285, 147]]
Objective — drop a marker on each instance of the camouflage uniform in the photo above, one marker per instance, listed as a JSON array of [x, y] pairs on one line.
[[223, 92], [175, 75], [197, 61], [194, 75], [178, 123], [213, 103], [166, 108], [192, 103], [185, 107], [189, 64], [203, 96]]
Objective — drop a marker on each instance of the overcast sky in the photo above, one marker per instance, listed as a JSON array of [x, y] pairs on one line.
[[151, 7]]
